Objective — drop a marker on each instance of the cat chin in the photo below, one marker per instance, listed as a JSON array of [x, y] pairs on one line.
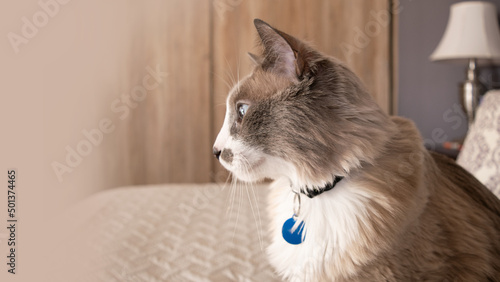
[[242, 174], [257, 166], [259, 173], [251, 175], [249, 178]]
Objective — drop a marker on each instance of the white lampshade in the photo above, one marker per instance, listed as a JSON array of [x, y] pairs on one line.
[[472, 33]]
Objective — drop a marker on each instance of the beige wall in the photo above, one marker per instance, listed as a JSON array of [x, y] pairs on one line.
[[63, 81], [60, 82]]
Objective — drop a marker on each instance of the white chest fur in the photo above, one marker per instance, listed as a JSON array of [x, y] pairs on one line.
[[332, 225]]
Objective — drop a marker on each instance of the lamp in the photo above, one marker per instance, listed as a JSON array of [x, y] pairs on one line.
[[471, 37]]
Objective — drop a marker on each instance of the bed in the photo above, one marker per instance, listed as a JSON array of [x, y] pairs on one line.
[[169, 233]]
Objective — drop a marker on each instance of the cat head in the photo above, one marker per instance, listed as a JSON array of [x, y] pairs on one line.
[[300, 115]]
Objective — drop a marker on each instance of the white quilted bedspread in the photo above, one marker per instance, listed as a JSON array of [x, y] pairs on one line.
[[170, 233]]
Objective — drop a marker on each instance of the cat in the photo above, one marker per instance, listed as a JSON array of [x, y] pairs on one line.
[[373, 203]]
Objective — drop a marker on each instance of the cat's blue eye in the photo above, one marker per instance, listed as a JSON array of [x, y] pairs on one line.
[[242, 110]]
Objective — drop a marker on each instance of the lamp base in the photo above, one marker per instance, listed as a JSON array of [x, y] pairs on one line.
[[470, 91]]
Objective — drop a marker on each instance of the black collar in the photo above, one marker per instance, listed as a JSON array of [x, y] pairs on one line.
[[311, 193]]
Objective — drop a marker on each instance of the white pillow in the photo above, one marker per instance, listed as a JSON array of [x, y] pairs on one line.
[[480, 153]]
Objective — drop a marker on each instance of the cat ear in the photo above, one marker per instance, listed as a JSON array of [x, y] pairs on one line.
[[257, 60], [279, 55]]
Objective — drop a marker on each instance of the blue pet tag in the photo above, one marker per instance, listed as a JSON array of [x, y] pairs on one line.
[[295, 237]]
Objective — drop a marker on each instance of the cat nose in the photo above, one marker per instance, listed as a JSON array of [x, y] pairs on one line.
[[216, 152]]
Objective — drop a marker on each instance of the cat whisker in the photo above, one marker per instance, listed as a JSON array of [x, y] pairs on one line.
[[259, 226], [229, 199], [239, 208], [229, 71], [225, 182], [238, 73], [231, 195], [229, 85], [256, 215]]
